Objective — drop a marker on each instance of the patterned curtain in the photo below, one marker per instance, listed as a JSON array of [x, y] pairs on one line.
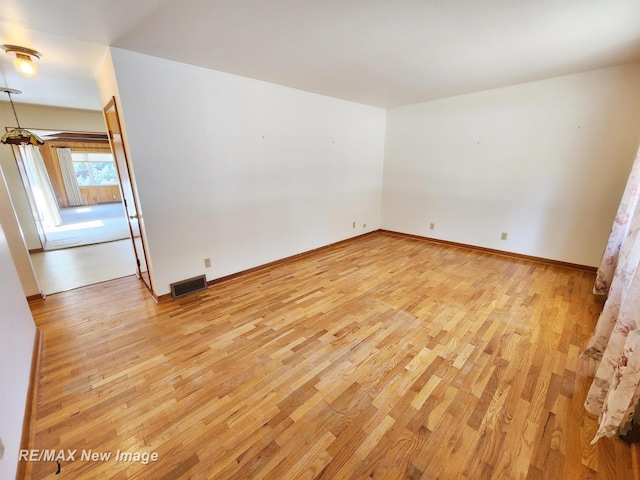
[[619, 231], [615, 343]]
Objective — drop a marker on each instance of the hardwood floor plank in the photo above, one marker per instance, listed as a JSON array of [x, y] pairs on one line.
[[381, 357]]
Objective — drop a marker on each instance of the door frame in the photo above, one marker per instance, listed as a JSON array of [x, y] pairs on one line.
[[127, 191]]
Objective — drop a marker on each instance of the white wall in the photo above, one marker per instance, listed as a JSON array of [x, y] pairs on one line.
[[17, 334], [21, 233], [108, 89], [242, 171], [545, 162], [15, 242]]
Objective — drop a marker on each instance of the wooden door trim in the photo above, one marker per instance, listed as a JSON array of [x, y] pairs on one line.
[[113, 104]]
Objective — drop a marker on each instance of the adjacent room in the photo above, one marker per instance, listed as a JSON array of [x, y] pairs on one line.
[[356, 239], [73, 193]]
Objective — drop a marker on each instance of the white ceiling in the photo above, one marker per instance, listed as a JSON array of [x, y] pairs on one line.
[[378, 52]]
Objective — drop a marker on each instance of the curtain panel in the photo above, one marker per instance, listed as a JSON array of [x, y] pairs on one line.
[[74, 196], [619, 231], [615, 392], [45, 199]]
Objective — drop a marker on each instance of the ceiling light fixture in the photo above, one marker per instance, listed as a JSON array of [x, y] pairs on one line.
[[23, 62], [18, 136]]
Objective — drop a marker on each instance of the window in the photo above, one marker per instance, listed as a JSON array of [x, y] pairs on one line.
[[94, 169]]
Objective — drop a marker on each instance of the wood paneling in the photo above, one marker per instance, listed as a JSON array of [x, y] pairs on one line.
[[382, 357], [80, 146], [102, 194], [50, 157]]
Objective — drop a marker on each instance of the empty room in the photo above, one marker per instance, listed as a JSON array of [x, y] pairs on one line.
[[374, 239]]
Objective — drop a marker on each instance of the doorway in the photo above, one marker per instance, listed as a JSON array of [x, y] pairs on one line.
[[72, 186]]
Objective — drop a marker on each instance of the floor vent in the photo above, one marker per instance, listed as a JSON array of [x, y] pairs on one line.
[[190, 285]]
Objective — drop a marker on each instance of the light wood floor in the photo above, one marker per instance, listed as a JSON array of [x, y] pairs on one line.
[[382, 357], [69, 268]]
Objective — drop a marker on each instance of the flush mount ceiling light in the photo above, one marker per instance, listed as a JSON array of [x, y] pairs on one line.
[[18, 136], [23, 62]]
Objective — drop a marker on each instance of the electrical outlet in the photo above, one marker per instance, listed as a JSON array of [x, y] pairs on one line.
[[354, 224], [1, 449], [207, 263], [503, 236], [432, 226], [364, 225]]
